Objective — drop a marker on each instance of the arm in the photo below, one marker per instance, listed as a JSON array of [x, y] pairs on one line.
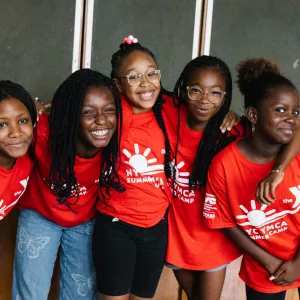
[[288, 272], [244, 242], [265, 192]]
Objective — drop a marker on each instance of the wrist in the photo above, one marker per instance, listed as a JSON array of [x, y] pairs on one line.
[[277, 171]]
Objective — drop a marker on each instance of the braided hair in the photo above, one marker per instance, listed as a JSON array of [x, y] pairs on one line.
[[212, 140], [117, 57], [64, 124], [9, 89]]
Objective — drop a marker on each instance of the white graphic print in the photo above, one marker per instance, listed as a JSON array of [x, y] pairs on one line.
[[260, 218], [181, 185], [140, 162], [209, 206], [19, 193], [143, 168], [32, 246], [84, 284]]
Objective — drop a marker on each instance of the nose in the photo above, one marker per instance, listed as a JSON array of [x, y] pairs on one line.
[[101, 119], [144, 81], [14, 131]]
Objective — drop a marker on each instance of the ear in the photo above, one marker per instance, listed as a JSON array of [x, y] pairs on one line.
[[251, 114], [117, 82]]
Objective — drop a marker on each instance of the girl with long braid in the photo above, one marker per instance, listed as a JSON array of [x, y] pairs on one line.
[[131, 228], [197, 255], [17, 120], [76, 155]]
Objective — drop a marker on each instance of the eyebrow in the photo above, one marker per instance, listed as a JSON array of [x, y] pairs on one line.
[[89, 105], [151, 66], [22, 114], [193, 84]]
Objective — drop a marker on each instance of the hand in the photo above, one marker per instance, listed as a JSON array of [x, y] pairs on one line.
[[41, 108], [230, 120], [273, 264], [286, 274], [265, 192]]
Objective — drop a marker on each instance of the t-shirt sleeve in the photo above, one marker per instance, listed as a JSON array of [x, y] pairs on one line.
[[216, 210]]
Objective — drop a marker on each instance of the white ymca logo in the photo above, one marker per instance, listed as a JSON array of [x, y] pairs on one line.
[[261, 217], [141, 163], [4, 208], [181, 178]]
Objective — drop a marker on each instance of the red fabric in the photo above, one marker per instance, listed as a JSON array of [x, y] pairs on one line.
[[230, 201], [190, 245], [147, 195], [13, 184], [39, 197]]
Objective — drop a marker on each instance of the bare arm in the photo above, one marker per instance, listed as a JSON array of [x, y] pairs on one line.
[[246, 244], [265, 193]]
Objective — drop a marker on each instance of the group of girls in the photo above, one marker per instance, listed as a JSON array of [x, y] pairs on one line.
[[123, 177]]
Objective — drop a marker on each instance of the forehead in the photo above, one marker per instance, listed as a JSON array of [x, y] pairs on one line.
[[98, 94], [12, 106], [206, 77], [137, 60], [283, 94]]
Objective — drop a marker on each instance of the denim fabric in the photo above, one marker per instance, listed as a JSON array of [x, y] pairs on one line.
[[37, 245]]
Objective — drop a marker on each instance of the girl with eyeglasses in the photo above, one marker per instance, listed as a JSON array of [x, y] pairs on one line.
[[131, 228], [268, 235], [197, 255]]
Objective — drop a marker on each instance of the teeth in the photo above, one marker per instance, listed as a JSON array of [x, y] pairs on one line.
[[146, 96], [100, 132]]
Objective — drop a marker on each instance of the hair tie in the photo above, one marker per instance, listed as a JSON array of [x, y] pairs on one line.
[[130, 40]]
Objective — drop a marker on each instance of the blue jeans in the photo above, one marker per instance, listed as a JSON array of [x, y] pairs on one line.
[[38, 241]]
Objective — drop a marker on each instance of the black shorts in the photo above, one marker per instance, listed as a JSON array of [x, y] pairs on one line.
[[255, 295], [128, 258]]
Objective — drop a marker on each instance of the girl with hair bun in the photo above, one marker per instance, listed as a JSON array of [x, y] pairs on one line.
[[268, 235]]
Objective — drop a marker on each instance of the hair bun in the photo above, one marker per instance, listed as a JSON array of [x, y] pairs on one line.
[[250, 70]]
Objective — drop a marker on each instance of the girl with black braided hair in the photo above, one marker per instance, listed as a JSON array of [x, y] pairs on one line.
[[131, 228], [17, 119], [76, 155], [202, 95]]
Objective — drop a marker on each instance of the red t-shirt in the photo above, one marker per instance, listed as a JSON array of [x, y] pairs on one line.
[[13, 184], [230, 201], [39, 197], [190, 245], [147, 195]]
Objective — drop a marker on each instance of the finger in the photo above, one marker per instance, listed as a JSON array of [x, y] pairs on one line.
[[260, 193], [266, 194], [279, 271], [233, 122], [272, 191]]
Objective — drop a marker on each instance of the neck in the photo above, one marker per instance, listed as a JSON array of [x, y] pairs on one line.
[[7, 163], [86, 151], [259, 150], [195, 125]]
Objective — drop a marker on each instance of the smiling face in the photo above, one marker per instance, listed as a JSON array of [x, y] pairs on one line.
[[98, 121], [16, 131], [207, 80], [277, 117], [143, 96]]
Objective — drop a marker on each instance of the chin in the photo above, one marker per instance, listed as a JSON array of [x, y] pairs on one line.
[[101, 144], [17, 154]]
